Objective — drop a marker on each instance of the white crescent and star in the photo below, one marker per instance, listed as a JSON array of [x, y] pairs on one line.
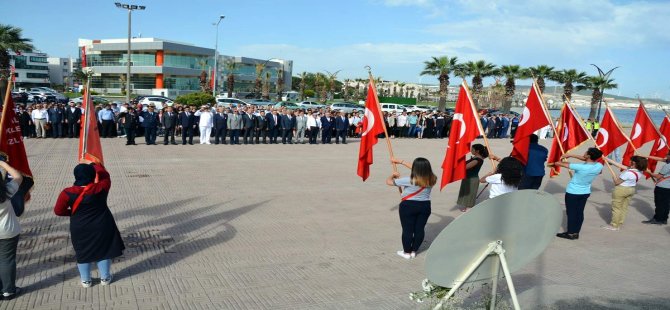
[[637, 132], [661, 144], [525, 116], [459, 117], [370, 121], [565, 134], [606, 136]]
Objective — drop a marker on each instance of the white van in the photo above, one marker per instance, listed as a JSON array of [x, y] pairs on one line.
[[393, 107]]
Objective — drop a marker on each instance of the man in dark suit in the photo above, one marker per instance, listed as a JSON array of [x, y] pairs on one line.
[[150, 124], [261, 128], [169, 122], [220, 126], [326, 128], [341, 125], [187, 124], [56, 117], [72, 119], [248, 125], [287, 127], [273, 126], [129, 121]]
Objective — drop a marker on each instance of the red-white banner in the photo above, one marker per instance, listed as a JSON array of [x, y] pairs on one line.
[[571, 134], [373, 125], [533, 118]]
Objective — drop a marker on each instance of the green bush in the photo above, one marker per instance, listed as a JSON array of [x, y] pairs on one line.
[[309, 93], [196, 99]]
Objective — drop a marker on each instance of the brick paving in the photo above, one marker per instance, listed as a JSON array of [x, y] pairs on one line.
[[293, 227]]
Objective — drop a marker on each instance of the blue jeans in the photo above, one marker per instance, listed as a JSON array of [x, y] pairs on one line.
[[412, 131], [103, 268]]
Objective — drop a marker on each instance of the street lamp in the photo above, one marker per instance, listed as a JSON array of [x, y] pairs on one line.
[[130, 8], [605, 76], [216, 53]]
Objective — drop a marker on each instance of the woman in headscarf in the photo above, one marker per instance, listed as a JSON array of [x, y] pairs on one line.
[[94, 234]]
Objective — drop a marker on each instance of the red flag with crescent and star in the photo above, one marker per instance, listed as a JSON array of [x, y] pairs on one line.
[[571, 134], [373, 125], [643, 131], [465, 128], [89, 138], [609, 137], [533, 118], [660, 147]]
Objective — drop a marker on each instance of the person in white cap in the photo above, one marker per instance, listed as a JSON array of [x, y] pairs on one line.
[[205, 124]]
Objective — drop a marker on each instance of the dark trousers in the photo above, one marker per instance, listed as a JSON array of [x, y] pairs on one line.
[[248, 136], [662, 203], [530, 182], [287, 136], [169, 132], [25, 130], [513, 131], [413, 218], [325, 135], [341, 134], [220, 134], [234, 136], [313, 132], [272, 133], [130, 136], [150, 135], [263, 133], [574, 209], [56, 130], [187, 132], [107, 128], [8, 264]]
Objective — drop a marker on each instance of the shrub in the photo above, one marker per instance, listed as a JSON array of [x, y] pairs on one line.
[[196, 99]]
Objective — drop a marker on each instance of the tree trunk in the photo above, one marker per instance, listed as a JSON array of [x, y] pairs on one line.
[[595, 99], [510, 87], [477, 88], [540, 84], [567, 92], [231, 85], [444, 89]]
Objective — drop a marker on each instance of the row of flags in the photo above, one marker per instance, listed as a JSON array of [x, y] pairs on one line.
[[13, 151], [569, 133]]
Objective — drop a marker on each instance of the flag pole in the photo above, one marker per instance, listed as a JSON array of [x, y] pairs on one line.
[[8, 93], [479, 123], [381, 117], [607, 163], [616, 121], [86, 123], [551, 121]]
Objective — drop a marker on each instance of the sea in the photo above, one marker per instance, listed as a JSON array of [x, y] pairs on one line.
[[624, 116]]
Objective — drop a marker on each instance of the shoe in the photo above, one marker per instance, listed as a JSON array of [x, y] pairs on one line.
[[86, 284], [412, 255], [610, 227], [655, 222], [403, 254], [10, 296], [107, 281], [568, 236], [464, 210]]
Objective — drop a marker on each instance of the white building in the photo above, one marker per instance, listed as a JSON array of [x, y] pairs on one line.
[[60, 70], [32, 69]]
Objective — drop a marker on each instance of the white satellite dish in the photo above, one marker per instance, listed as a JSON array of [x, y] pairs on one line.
[[508, 231]]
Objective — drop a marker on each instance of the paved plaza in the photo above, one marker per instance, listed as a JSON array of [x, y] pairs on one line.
[[293, 227]]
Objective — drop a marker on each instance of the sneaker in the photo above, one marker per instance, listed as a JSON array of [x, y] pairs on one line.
[[403, 254], [610, 227], [654, 222], [10, 296], [86, 284], [106, 281], [568, 236], [412, 255]]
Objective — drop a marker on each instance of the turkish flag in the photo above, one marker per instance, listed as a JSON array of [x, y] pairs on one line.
[[89, 138], [660, 148], [13, 151], [211, 80], [534, 117], [83, 57], [465, 128], [609, 136], [571, 134], [373, 125], [643, 131]]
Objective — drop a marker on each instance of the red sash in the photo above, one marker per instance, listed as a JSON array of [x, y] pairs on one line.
[[412, 194], [75, 206]]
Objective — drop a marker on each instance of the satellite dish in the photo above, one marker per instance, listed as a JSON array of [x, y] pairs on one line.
[[509, 231]]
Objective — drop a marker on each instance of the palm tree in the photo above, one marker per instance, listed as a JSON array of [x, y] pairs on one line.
[[568, 78], [258, 85], [230, 66], [303, 76], [346, 89], [10, 40], [332, 78], [266, 86], [540, 73], [441, 67], [598, 84], [511, 73], [280, 83], [479, 70]]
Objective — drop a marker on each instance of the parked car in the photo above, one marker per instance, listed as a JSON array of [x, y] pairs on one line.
[[96, 100], [233, 102], [158, 101], [420, 108], [261, 102], [288, 105], [311, 104], [393, 107], [347, 107]]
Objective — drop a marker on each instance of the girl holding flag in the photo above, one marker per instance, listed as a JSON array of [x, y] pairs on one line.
[[414, 207], [625, 189]]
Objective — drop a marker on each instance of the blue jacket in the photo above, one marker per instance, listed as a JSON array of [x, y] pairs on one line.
[[537, 155], [220, 120], [186, 121], [149, 121], [326, 122], [341, 124], [56, 115]]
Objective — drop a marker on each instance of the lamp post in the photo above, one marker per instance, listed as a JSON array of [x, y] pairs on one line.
[[216, 53], [605, 76], [130, 8]]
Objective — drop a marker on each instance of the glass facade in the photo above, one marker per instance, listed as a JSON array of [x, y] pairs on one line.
[[38, 59], [31, 75], [181, 82], [188, 61], [137, 81], [21, 62], [118, 59]]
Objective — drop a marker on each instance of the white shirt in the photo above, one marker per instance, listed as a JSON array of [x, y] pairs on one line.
[[497, 186], [9, 224], [123, 109], [311, 122], [630, 177], [402, 120], [40, 114], [206, 118]]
